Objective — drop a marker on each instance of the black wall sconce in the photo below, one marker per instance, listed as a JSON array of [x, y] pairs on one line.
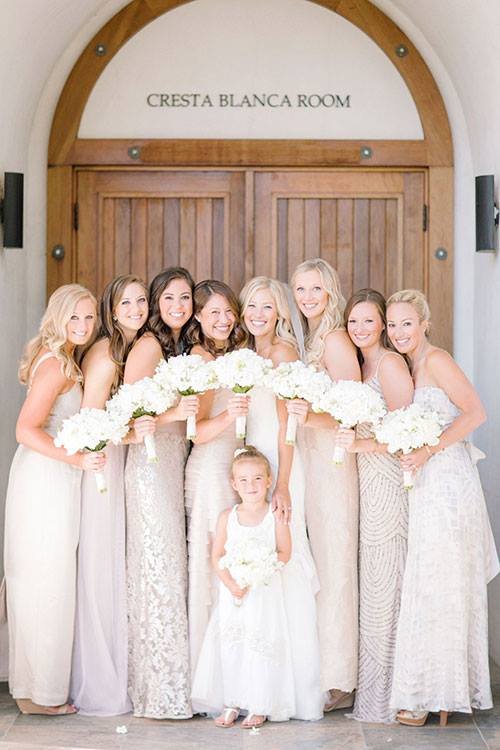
[[11, 209], [486, 214]]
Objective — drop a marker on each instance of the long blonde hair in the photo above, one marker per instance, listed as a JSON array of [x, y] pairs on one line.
[[283, 330], [52, 332], [418, 301], [332, 318]]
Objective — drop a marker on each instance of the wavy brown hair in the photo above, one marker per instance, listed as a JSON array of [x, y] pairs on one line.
[[111, 329], [202, 293], [156, 325], [377, 299]]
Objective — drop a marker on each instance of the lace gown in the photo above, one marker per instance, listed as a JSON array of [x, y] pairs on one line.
[[246, 658], [300, 581], [99, 675], [159, 683], [42, 520], [332, 506], [208, 492], [383, 533], [441, 658]]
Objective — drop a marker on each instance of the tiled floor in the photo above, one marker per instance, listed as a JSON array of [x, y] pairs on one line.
[[335, 732]]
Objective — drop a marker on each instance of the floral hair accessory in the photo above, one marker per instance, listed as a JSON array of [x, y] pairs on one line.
[[239, 451]]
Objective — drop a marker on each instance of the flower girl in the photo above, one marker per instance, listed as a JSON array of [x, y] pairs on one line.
[[245, 661]]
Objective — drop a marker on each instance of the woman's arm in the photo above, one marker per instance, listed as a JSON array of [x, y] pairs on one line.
[[218, 551], [143, 359], [49, 383], [283, 541], [99, 372]]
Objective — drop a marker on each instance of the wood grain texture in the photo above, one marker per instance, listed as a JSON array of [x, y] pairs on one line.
[[59, 226], [440, 285]]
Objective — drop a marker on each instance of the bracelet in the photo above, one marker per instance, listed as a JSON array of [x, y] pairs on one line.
[[429, 452]]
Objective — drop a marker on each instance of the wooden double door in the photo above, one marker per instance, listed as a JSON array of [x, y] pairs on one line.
[[238, 223]]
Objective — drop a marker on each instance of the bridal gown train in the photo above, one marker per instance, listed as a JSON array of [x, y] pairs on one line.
[[42, 521], [300, 582]]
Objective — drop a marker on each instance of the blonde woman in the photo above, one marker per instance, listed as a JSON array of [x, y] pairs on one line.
[[441, 661], [42, 514], [332, 491], [266, 317]]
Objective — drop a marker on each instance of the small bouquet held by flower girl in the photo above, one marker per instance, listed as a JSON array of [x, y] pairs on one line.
[[134, 400], [90, 430], [188, 375], [292, 380], [407, 429], [250, 563], [350, 403], [240, 371]]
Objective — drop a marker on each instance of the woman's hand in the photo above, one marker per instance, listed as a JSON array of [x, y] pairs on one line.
[[90, 461], [236, 590], [281, 503], [299, 408], [143, 426], [237, 406], [414, 460], [344, 438], [188, 406]]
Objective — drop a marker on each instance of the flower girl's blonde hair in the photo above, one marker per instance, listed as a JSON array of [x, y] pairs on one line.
[[284, 329], [250, 453], [52, 333]]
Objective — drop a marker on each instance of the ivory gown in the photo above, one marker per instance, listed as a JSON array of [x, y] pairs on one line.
[[208, 492], [42, 521], [332, 504], [441, 658], [159, 683]]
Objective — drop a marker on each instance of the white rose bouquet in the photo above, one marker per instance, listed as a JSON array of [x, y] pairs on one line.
[[144, 397], [90, 430], [296, 380], [189, 375], [407, 429], [250, 563], [350, 403], [240, 371]]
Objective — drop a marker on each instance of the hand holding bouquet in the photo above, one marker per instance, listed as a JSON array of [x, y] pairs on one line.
[[90, 430], [350, 403], [407, 429], [291, 380], [144, 397], [240, 371], [189, 375], [250, 563]]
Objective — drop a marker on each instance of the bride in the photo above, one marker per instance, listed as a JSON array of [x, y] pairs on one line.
[[266, 317]]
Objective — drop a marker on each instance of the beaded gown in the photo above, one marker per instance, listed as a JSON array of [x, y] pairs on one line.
[[441, 660], [42, 521]]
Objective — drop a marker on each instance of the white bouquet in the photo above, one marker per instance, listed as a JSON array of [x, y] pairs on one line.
[[407, 429], [189, 375], [137, 399], [240, 371], [296, 380], [350, 403], [250, 563], [90, 430]]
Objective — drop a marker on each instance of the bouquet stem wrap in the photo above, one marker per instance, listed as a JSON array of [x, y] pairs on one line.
[[338, 455], [241, 426], [150, 446], [291, 429], [407, 480], [191, 427], [100, 481]]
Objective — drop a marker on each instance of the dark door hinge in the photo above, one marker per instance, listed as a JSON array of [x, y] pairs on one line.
[[425, 217], [75, 216]]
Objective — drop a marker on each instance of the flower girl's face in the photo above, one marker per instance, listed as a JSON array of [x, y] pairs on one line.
[[176, 304], [251, 480], [310, 294], [365, 326], [81, 325], [217, 318], [404, 328], [260, 314], [131, 312]]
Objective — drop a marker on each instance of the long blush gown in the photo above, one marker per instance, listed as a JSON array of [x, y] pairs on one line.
[[42, 521]]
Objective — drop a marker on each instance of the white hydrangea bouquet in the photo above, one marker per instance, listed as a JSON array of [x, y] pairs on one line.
[[350, 403], [407, 429], [188, 375], [144, 397], [250, 563], [90, 430], [240, 371], [296, 380]]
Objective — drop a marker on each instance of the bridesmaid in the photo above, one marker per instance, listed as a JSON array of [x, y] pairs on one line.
[[214, 330], [99, 678], [383, 509], [159, 683], [441, 661], [42, 515], [332, 496]]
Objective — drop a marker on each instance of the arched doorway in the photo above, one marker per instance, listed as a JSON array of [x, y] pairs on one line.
[[380, 210]]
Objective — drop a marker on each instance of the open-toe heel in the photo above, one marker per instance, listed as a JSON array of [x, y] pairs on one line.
[[227, 718]]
